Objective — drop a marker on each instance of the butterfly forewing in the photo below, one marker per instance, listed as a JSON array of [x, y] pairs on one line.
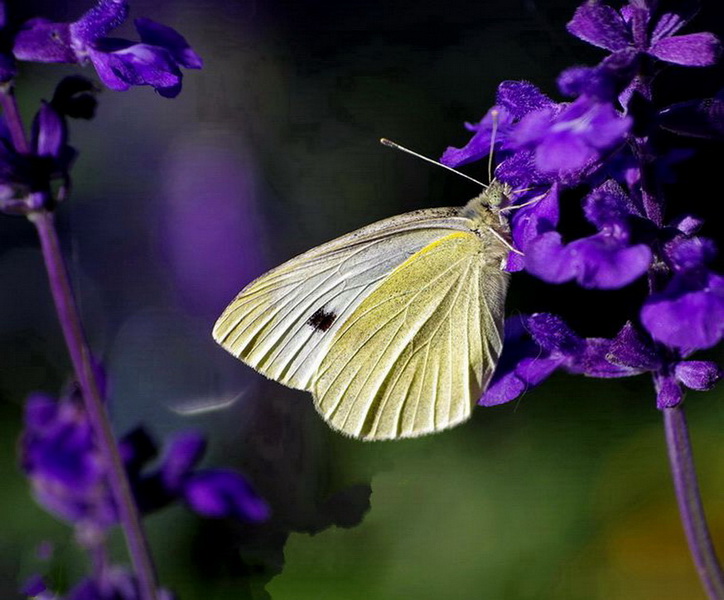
[[283, 323], [414, 356]]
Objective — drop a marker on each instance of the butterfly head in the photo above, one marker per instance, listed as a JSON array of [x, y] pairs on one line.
[[497, 195]]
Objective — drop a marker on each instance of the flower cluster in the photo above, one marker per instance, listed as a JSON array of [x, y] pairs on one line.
[[66, 450], [606, 140], [29, 170], [60, 457], [120, 64]]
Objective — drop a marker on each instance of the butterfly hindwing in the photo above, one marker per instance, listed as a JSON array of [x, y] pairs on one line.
[[415, 355], [283, 323]]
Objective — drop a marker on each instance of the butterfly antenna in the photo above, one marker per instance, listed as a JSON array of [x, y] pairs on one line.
[[391, 144], [493, 133]]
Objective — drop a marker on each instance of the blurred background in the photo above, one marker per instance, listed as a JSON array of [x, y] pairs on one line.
[[271, 149]]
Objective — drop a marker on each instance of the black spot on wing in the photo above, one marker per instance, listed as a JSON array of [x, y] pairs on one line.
[[322, 320]]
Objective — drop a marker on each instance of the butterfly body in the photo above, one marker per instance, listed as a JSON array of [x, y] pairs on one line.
[[395, 328]]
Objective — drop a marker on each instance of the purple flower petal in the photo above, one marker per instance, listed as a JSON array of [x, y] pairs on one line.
[[99, 21], [104, 65], [595, 361], [688, 224], [138, 64], [49, 132], [693, 50], [552, 334], [631, 348], [33, 586], [156, 34], [599, 25], [698, 374], [525, 375], [41, 412], [519, 171], [685, 254], [184, 452], [538, 218], [696, 118], [496, 119], [608, 205], [43, 41], [688, 320], [670, 23], [521, 97], [668, 392], [546, 257], [224, 493], [568, 140], [119, 63], [522, 365], [599, 261], [534, 126]]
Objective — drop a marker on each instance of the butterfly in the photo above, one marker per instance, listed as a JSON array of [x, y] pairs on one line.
[[395, 328]]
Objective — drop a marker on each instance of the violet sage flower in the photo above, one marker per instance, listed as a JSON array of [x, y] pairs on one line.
[[603, 147], [62, 461], [120, 64]]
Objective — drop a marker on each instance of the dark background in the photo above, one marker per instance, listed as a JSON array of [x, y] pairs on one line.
[[270, 150]]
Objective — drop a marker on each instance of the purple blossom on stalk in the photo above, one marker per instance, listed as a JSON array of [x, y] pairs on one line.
[[60, 456], [688, 314], [605, 260], [62, 461], [636, 28], [538, 345], [25, 178], [590, 143], [120, 64]]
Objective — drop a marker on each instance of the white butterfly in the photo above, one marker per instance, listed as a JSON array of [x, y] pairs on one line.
[[395, 328]]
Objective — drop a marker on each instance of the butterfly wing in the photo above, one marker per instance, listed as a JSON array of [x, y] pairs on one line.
[[416, 354], [284, 322]]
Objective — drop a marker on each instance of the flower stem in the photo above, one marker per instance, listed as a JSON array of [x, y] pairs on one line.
[[81, 359], [690, 507], [83, 365], [12, 118]]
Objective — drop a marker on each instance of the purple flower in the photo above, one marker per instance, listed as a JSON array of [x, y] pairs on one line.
[[634, 349], [688, 314], [208, 492], [61, 460], [60, 457], [120, 64], [536, 346], [552, 138], [572, 137], [35, 587], [25, 179], [223, 493], [530, 222], [605, 260], [515, 99], [633, 28]]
